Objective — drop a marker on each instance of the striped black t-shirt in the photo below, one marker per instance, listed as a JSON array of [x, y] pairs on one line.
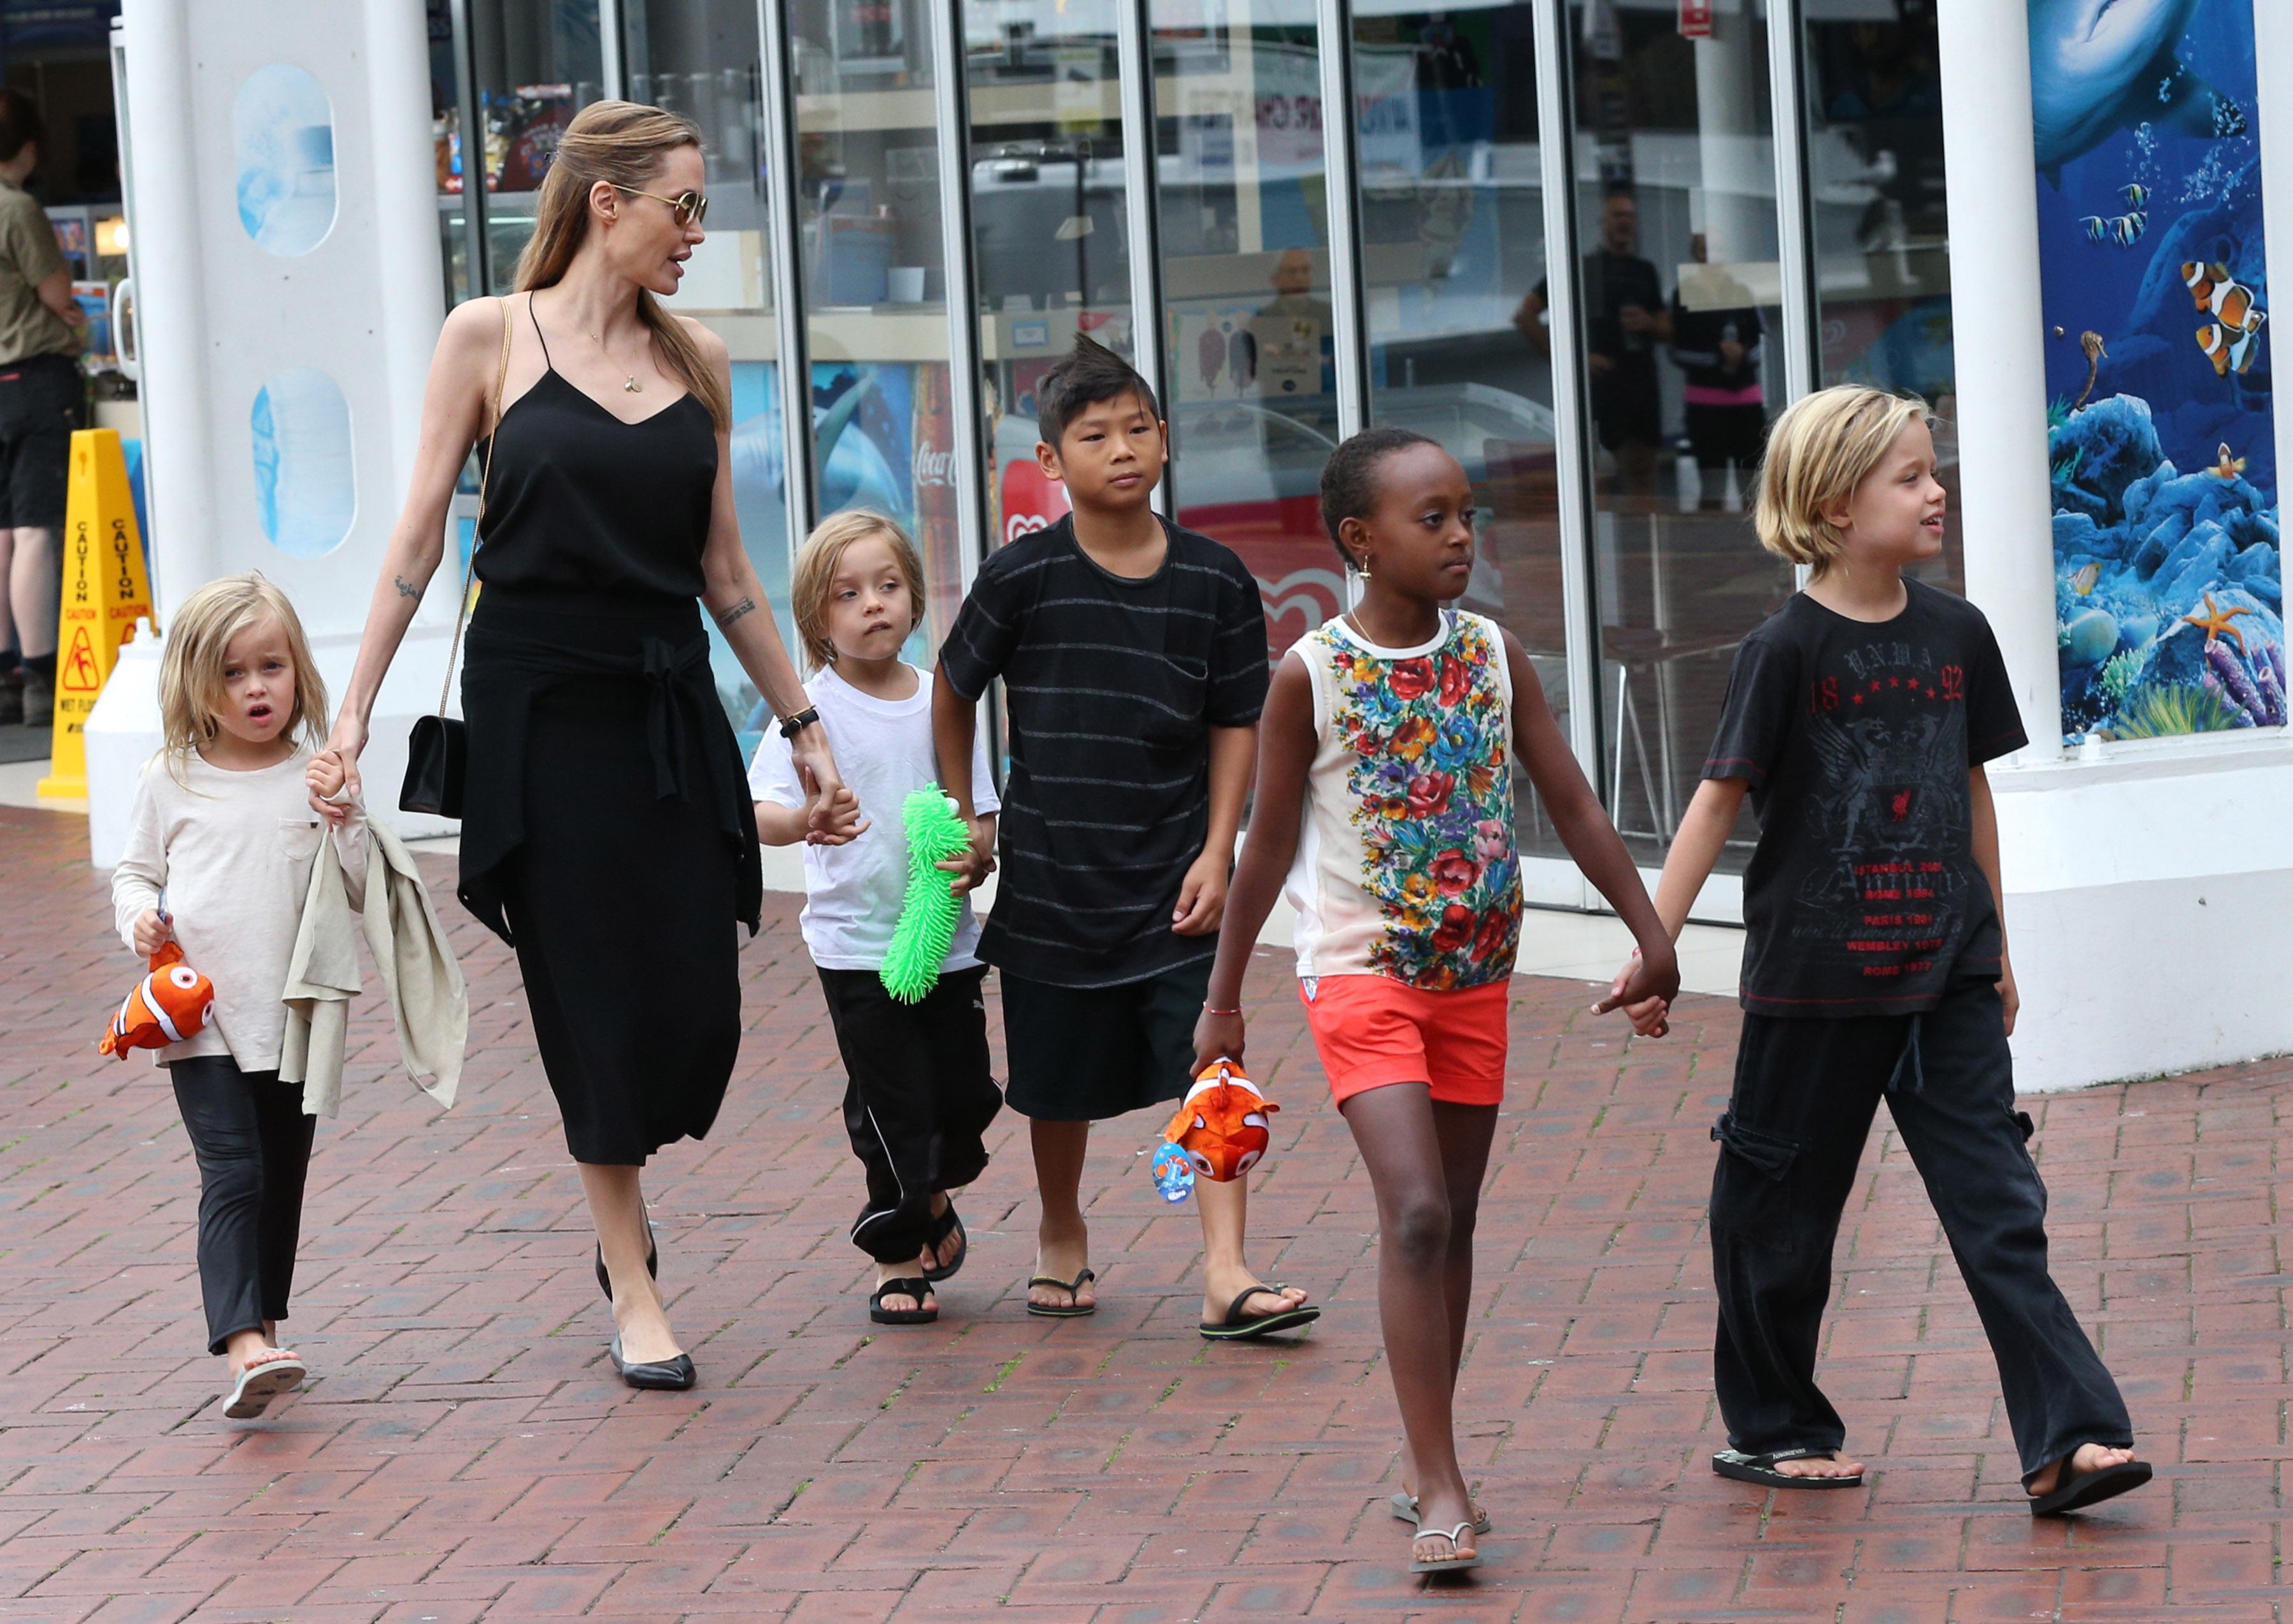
[[1112, 686]]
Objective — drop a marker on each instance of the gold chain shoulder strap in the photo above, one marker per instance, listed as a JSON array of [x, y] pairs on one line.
[[478, 530]]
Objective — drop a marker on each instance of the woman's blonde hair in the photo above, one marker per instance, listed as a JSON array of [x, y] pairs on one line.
[[814, 580], [191, 692], [624, 144], [1819, 451]]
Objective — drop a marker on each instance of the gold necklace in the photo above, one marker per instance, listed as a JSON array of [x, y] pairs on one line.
[[630, 380]]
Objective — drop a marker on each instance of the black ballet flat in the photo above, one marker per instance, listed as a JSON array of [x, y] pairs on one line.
[[652, 1263], [661, 1376]]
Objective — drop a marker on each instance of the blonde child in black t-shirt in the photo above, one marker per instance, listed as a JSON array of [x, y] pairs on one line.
[[1859, 717]]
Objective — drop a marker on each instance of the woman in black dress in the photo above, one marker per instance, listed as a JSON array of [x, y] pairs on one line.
[[607, 831]]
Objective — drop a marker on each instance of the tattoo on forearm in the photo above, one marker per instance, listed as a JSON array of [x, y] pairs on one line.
[[725, 617], [406, 588]]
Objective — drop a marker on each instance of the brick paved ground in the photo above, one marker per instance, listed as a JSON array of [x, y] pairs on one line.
[[466, 1453]]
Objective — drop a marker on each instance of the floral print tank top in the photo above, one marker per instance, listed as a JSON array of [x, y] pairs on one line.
[[1406, 865]]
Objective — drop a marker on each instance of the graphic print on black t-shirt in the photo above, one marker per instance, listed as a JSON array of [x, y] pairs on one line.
[[1883, 730], [1863, 896]]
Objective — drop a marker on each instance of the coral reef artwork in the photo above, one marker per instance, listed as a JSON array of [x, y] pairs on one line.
[[2167, 587]]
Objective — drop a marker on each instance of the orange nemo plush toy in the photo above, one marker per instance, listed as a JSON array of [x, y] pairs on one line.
[[1221, 1125], [165, 1007]]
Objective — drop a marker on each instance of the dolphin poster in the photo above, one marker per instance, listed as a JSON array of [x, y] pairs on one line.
[[2154, 286]]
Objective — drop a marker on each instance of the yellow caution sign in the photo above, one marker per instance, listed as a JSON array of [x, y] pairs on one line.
[[105, 592]]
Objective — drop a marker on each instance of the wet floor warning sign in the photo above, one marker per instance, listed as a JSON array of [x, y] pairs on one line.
[[105, 592]]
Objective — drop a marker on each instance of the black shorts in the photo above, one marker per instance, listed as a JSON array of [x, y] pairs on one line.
[[1086, 1054], [40, 401]]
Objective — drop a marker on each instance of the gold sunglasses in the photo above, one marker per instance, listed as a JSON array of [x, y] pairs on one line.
[[691, 207]]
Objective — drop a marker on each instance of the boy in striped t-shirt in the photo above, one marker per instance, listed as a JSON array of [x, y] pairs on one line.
[[1133, 659]]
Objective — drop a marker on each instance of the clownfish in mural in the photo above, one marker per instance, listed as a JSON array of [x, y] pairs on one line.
[[2233, 304], [2230, 352]]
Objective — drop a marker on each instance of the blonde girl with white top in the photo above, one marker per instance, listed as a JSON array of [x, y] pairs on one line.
[[218, 859]]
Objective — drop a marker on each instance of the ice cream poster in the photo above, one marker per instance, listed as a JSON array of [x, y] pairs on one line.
[[2155, 291]]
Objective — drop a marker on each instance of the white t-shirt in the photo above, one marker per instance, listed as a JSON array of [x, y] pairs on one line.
[[233, 850], [883, 747]]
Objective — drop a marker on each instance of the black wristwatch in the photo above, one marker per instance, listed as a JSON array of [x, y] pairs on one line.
[[791, 726]]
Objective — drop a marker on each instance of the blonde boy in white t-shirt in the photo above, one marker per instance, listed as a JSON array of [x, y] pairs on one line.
[[918, 1094]]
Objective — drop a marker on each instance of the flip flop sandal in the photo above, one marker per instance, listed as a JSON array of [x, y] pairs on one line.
[[947, 1224], [1404, 1508], [2076, 1492], [1454, 1564], [259, 1384], [1237, 1327], [1068, 1310], [1761, 1469], [911, 1287]]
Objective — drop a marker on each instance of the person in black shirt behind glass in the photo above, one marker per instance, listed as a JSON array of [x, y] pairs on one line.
[[1625, 320], [1859, 717], [1133, 659]]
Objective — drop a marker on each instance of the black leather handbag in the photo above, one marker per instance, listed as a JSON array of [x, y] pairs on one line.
[[438, 748]]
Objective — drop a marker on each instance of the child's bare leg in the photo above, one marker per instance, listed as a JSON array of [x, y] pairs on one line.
[[1062, 1239], [1225, 1274], [1465, 1132], [1395, 1129]]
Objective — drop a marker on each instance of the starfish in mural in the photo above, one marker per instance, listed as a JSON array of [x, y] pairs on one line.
[[2216, 622]]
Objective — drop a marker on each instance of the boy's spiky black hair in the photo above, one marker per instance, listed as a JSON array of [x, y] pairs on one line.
[[1085, 375]]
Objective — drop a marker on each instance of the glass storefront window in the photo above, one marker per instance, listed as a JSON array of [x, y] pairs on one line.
[[1248, 326], [1453, 241], [1881, 224], [701, 58], [875, 294], [539, 62], [1050, 235], [446, 149], [1680, 291]]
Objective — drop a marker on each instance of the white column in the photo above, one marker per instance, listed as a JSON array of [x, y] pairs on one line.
[[171, 315], [1997, 331]]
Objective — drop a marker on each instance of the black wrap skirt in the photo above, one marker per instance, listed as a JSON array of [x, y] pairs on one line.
[[608, 835]]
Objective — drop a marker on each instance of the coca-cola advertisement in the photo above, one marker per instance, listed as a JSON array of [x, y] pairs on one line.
[[938, 533]]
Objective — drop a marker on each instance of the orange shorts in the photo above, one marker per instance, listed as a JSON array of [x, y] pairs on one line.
[[1372, 1030]]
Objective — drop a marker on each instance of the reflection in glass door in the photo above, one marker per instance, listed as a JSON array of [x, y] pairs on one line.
[[1249, 326], [873, 272], [1452, 243], [700, 59], [1679, 296], [538, 64], [1050, 241], [1881, 224]]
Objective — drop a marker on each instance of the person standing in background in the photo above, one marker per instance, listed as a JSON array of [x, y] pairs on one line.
[[1717, 336], [40, 400], [1626, 318]]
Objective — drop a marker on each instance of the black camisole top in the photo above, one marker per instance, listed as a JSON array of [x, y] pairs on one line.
[[580, 503]]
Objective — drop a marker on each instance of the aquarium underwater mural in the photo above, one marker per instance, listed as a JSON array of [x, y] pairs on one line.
[[2154, 283]]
